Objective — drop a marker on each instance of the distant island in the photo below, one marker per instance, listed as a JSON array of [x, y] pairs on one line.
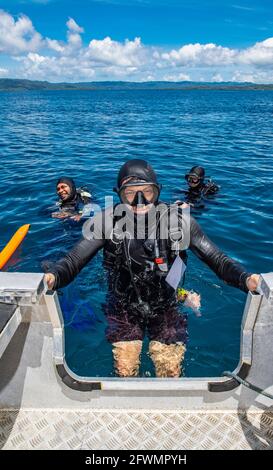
[[9, 84]]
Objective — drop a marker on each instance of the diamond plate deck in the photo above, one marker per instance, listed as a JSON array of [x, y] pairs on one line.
[[135, 429]]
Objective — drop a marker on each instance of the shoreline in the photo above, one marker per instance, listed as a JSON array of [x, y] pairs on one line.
[[13, 85]]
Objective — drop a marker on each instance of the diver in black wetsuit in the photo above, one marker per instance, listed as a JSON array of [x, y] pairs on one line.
[[139, 262], [74, 203], [198, 186]]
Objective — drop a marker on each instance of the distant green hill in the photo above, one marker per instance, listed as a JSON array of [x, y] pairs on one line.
[[8, 84]]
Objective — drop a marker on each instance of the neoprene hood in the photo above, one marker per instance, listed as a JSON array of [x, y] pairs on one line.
[[140, 170], [197, 171], [70, 182]]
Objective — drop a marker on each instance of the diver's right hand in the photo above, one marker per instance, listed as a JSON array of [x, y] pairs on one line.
[[50, 280]]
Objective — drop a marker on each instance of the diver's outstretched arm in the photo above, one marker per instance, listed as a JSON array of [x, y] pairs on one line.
[[226, 268], [67, 268]]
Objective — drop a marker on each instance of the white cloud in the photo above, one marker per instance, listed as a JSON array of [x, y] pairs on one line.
[[3, 72], [261, 54], [217, 77], [243, 77], [243, 7], [55, 45], [101, 58], [200, 54], [181, 77], [253, 77], [149, 78], [17, 36], [73, 26], [56, 68], [107, 59], [74, 35], [74, 40], [107, 51]]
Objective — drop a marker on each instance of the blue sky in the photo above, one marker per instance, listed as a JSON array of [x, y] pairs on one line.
[[83, 40]]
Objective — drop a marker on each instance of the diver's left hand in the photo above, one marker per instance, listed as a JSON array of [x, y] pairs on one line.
[[193, 300], [252, 282]]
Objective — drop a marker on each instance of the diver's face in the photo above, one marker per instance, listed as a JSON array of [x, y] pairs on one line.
[[193, 181], [148, 191], [63, 191]]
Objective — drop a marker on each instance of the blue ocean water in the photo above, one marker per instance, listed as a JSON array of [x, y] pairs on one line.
[[88, 135]]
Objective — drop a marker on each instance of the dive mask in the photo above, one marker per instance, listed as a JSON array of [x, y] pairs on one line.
[[192, 179], [130, 194]]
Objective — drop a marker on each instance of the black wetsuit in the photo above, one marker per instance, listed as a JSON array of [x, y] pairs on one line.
[[195, 195], [125, 321], [76, 204], [77, 201]]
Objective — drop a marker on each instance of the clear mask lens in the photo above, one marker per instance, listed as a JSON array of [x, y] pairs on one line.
[[135, 196]]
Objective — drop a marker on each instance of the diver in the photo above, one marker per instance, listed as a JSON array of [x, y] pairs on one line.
[[74, 203], [198, 187], [144, 268]]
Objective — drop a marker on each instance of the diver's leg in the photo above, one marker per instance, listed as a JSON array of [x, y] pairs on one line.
[[168, 335], [127, 357], [167, 358], [125, 333]]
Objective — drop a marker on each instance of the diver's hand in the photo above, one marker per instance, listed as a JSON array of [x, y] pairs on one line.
[[183, 205], [77, 217], [60, 215], [50, 280], [193, 300], [252, 282]]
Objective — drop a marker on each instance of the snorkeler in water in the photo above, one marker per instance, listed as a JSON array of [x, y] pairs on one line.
[[74, 203]]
